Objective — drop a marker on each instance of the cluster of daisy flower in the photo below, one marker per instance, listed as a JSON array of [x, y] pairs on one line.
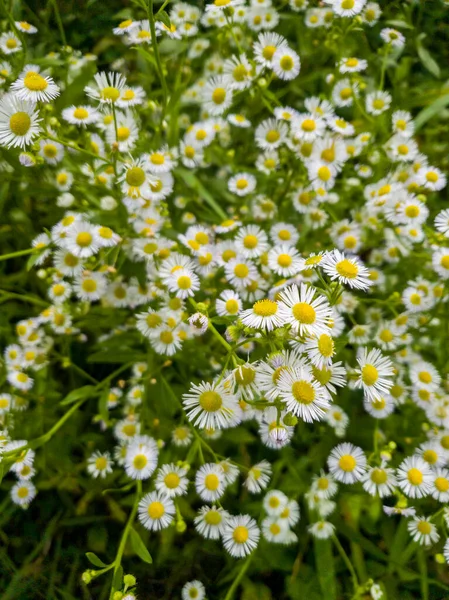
[[276, 251]]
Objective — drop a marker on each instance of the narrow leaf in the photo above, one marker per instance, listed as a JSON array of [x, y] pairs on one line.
[[82, 392], [93, 558], [139, 547]]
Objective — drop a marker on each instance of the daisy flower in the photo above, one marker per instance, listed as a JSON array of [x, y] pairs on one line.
[[210, 482], [373, 374], [347, 463], [217, 95], [99, 464], [377, 102], [141, 458], [266, 46], [184, 283], [423, 531], [258, 477], [321, 530], [286, 63], [415, 477], [242, 184], [393, 37], [347, 8], [193, 590], [156, 511], [228, 304], [270, 134], [210, 521], [240, 535], [211, 406], [18, 122], [23, 493], [302, 394], [25, 27], [379, 481], [34, 87], [263, 315], [10, 43], [171, 480], [285, 260], [108, 87], [348, 270], [306, 312]]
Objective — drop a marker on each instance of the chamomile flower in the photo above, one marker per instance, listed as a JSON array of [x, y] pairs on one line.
[[393, 37], [379, 481], [302, 394], [240, 535], [440, 485], [228, 304], [347, 463], [156, 511], [23, 493], [18, 122], [307, 312], [34, 87], [193, 590], [347, 270], [210, 482], [141, 458], [286, 63], [415, 477], [99, 464], [266, 46], [171, 480], [322, 530], [258, 477], [423, 531], [378, 102], [108, 87], [10, 43], [217, 95], [211, 406], [270, 134], [374, 373], [242, 184]]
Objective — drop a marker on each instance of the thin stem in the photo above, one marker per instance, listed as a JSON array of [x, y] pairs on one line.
[[348, 563], [18, 253], [122, 545], [12, 295], [74, 146], [59, 21], [157, 56], [238, 579], [215, 333]]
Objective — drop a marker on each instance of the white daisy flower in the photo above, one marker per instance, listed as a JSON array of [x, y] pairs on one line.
[[210, 482], [108, 87], [18, 122], [23, 493], [240, 535], [211, 406], [141, 458], [258, 477], [193, 590], [423, 531], [373, 374], [347, 270], [347, 463], [286, 63], [307, 312], [34, 87], [210, 521], [99, 464], [415, 477], [156, 511], [302, 394], [264, 315], [171, 480]]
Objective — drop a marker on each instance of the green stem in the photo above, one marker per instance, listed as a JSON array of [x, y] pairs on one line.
[[11, 295], [424, 575], [74, 146], [157, 56], [122, 545], [214, 331], [18, 253], [59, 21], [238, 579], [348, 563]]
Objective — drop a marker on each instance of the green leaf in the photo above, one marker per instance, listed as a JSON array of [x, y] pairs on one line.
[[103, 405], [194, 183], [431, 111], [145, 55], [163, 16], [324, 561], [32, 260], [110, 356], [93, 558], [139, 547], [424, 55], [82, 392]]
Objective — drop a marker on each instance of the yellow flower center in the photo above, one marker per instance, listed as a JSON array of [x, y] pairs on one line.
[[245, 376], [101, 463], [326, 345], [19, 123], [308, 125], [80, 113], [123, 133], [347, 269], [211, 482], [11, 43], [347, 463], [219, 95], [111, 94], [369, 374], [135, 176], [324, 173], [35, 82], [50, 150], [232, 306], [240, 534], [442, 484], [241, 271], [286, 63], [166, 337], [379, 476], [303, 392], [84, 239], [284, 260], [304, 313], [89, 285], [268, 52], [172, 480], [156, 510], [140, 461], [213, 517], [424, 527], [210, 401], [22, 492], [430, 456], [265, 308], [415, 476], [272, 136]]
